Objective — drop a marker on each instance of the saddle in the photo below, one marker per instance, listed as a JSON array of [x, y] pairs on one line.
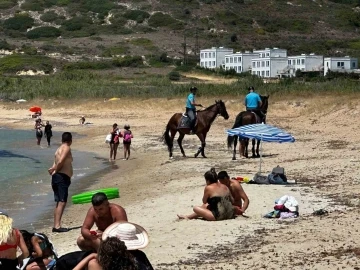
[[257, 117], [185, 121]]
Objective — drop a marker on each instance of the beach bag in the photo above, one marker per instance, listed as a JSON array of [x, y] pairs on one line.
[[108, 138], [27, 239], [127, 137], [70, 260]]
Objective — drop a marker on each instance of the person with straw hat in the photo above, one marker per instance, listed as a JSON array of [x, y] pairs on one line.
[[120, 246]]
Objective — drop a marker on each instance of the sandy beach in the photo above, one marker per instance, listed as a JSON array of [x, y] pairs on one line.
[[323, 161]]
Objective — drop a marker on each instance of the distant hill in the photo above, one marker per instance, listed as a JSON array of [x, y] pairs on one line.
[[89, 28]]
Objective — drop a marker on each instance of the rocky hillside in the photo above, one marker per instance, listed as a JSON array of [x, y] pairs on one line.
[[85, 29]]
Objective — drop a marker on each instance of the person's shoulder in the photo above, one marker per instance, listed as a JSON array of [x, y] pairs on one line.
[[116, 207]]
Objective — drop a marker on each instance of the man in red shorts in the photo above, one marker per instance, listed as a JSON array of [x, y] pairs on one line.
[[237, 192]]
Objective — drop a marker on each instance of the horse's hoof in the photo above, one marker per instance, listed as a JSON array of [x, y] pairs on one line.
[[171, 157], [184, 155], [234, 158], [204, 156], [195, 156], [257, 156]]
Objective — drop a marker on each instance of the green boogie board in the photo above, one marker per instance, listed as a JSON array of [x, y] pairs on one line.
[[85, 197]]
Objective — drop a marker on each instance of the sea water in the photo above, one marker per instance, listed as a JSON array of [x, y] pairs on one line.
[[25, 184]]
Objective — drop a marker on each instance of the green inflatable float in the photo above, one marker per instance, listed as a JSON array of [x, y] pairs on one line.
[[85, 197]]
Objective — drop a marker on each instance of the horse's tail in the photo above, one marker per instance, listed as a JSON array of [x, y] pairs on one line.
[[166, 137], [238, 123]]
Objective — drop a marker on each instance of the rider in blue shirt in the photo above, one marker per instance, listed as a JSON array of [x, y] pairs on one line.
[[191, 108], [253, 102]]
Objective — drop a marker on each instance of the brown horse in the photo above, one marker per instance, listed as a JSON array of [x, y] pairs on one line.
[[204, 120], [246, 118]]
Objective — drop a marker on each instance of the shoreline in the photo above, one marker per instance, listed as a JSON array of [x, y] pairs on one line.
[[154, 189]]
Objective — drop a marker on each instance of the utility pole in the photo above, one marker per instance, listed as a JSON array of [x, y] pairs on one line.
[[196, 42], [184, 53]]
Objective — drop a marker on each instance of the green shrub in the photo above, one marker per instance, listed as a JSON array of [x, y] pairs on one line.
[[98, 65], [118, 20], [160, 19], [99, 6], [17, 62], [174, 76], [29, 50], [5, 4], [128, 61], [76, 23], [136, 15], [49, 16], [45, 31], [33, 5], [20, 22], [119, 50], [4, 45], [144, 42]]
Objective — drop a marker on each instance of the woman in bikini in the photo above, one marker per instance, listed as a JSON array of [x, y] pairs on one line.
[[10, 240], [39, 133], [217, 201]]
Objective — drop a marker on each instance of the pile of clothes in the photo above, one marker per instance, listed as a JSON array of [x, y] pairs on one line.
[[285, 207]]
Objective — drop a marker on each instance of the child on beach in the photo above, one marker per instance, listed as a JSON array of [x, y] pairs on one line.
[[127, 136]]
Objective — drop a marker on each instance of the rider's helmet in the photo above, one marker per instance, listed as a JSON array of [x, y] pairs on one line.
[[193, 89], [251, 88]]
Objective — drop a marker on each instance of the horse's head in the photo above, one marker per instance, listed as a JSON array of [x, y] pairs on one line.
[[222, 109], [265, 103]]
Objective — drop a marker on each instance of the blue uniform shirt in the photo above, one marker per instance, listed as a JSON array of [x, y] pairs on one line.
[[252, 100], [190, 98]]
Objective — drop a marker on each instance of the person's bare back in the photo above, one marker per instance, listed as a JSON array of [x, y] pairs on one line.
[[67, 160]]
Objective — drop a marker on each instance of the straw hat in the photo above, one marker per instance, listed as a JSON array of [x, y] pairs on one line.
[[133, 235]]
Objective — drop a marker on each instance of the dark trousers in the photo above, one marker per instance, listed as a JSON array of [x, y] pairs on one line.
[[191, 113]]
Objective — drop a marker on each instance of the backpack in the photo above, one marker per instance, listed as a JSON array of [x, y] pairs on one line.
[[127, 137]]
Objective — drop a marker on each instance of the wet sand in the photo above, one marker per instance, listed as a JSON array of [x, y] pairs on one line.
[[323, 160]]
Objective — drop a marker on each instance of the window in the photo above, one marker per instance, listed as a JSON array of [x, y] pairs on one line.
[[258, 64], [254, 64], [267, 73], [213, 55], [262, 73], [298, 61], [231, 59], [289, 62], [202, 55], [258, 73], [201, 64], [239, 68], [340, 64], [205, 55], [263, 63], [267, 54], [268, 63], [254, 72], [239, 59], [213, 63], [303, 61], [235, 59], [294, 62], [353, 64], [205, 63], [235, 68], [226, 60]]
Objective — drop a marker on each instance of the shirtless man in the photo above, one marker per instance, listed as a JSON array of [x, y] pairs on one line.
[[237, 192], [61, 173], [103, 214]]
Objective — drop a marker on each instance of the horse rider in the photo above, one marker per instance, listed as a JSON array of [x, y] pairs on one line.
[[253, 103], [191, 108]]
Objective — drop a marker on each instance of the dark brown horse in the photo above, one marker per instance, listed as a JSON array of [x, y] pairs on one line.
[[246, 118], [204, 120]]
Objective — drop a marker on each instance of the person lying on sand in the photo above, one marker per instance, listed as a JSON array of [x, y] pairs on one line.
[[237, 192], [217, 201], [103, 214]]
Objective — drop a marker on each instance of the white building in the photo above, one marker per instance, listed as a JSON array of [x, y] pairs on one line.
[[305, 63], [214, 57], [340, 64], [239, 61], [270, 63]]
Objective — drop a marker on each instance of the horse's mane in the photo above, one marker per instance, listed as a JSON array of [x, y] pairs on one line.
[[211, 106]]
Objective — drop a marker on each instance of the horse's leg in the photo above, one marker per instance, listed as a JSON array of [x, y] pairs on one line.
[[246, 148], [201, 148], [179, 140], [172, 136], [257, 148], [203, 144], [253, 148], [235, 143]]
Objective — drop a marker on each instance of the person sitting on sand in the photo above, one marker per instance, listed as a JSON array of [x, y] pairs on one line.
[[217, 201], [10, 240], [114, 237], [112, 255], [103, 214], [237, 193]]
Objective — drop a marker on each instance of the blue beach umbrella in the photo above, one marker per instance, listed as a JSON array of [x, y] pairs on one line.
[[262, 132]]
